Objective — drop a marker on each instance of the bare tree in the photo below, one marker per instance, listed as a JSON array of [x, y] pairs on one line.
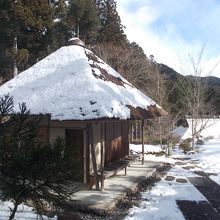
[[194, 89], [130, 62], [143, 72], [158, 90]]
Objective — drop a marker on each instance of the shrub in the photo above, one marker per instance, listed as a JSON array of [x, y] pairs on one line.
[[156, 141], [186, 145]]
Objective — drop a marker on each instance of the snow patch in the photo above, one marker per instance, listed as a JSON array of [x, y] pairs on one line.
[[23, 213]]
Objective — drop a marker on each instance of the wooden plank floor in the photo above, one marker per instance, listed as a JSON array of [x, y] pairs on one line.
[[115, 188]]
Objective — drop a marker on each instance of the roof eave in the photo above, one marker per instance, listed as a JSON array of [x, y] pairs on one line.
[[150, 112]]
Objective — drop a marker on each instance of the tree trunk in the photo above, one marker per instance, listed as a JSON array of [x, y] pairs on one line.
[[169, 148], [142, 137], [14, 210], [160, 133], [193, 135], [15, 71]]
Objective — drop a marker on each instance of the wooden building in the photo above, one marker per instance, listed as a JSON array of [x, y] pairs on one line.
[[86, 102]]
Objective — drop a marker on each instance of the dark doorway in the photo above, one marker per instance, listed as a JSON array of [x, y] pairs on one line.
[[74, 142]]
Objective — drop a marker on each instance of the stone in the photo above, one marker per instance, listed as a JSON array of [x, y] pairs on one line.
[[188, 167], [200, 173], [181, 180], [180, 163], [212, 174], [169, 178], [70, 216]]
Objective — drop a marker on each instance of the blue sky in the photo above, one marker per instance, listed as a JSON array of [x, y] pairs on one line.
[[172, 29]]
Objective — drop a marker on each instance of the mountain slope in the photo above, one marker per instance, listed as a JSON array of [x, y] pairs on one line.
[[173, 78]]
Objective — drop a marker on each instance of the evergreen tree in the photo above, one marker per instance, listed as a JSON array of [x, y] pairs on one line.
[[59, 33], [83, 19], [8, 29], [111, 29], [35, 19], [24, 25], [31, 172]]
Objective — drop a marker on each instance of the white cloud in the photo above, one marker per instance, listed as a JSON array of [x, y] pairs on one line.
[[167, 43]]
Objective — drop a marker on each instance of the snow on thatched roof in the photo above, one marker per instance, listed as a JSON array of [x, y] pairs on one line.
[[74, 84]]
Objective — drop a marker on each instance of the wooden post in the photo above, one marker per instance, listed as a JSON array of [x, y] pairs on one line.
[[48, 128], [142, 134], [133, 130], [85, 156], [102, 156], [94, 159]]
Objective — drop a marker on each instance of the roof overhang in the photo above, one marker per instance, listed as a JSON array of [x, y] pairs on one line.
[[152, 111]]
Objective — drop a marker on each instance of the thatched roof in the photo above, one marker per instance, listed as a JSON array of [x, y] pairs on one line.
[[74, 84]]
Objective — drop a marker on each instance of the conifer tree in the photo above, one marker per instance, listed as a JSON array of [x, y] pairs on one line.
[[31, 172], [35, 19], [24, 25], [8, 32], [59, 33], [83, 19], [111, 29]]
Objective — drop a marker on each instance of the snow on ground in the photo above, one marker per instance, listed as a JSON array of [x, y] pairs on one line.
[[159, 203], [162, 159], [147, 148], [179, 132], [150, 150], [216, 178], [208, 158], [211, 129], [24, 212]]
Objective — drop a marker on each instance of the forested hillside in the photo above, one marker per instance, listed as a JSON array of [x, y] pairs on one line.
[[30, 30], [212, 88]]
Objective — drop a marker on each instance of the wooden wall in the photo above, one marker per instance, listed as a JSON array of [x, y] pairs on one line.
[[116, 140]]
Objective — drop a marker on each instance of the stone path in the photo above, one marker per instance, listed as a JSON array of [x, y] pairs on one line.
[[209, 188], [191, 210], [200, 210]]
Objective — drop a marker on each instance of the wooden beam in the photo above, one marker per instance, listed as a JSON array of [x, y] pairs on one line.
[[102, 156], [94, 158], [85, 156], [142, 134]]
